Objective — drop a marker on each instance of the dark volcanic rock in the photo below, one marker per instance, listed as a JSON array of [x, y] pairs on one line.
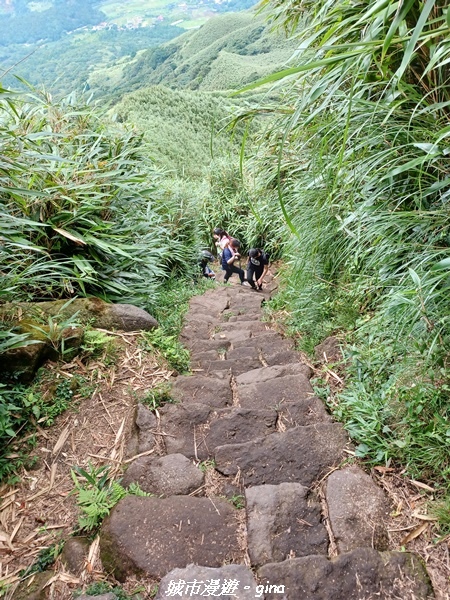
[[274, 393], [152, 536], [182, 429], [75, 553], [238, 425], [203, 390], [143, 434], [169, 475], [302, 455], [363, 574], [283, 522], [358, 510]]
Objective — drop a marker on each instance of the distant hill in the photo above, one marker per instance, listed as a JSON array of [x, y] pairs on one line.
[[224, 54]]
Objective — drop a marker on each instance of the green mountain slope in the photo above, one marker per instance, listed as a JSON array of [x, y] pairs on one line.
[[181, 126], [225, 53]]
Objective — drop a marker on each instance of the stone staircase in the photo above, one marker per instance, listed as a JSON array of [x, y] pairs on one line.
[[254, 492]]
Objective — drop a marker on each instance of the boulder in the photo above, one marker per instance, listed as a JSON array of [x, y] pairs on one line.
[[95, 311], [74, 554], [34, 588], [21, 364], [143, 433]]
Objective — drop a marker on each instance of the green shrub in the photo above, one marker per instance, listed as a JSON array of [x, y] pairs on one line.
[[98, 494]]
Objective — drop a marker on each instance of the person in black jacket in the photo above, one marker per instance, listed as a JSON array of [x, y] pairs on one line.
[[257, 266]]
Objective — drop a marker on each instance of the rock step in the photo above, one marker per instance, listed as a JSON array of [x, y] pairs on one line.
[[302, 455], [250, 405]]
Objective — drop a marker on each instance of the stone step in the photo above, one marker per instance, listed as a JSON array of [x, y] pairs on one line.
[[152, 536], [283, 521], [363, 574], [196, 430], [301, 455], [213, 391]]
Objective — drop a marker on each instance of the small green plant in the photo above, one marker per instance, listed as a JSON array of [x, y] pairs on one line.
[[169, 347], [55, 329], [98, 494], [441, 510], [45, 559], [226, 316], [238, 501], [102, 587], [158, 396], [99, 345], [204, 465]]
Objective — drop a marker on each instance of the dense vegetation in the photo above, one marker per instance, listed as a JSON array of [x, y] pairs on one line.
[[344, 174]]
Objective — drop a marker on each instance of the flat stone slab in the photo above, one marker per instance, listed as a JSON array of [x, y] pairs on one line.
[[209, 344], [278, 356], [247, 317], [169, 475], [266, 373], [246, 352], [236, 366], [238, 425], [234, 336], [363, 574], [302, 455], [152, 536], [211, 303], [303, 412], [275, 393], [230, 581], [207, 355], [283, 522], [358, 510], [182, 426], [192, 333], [203, 390], [251, 325]]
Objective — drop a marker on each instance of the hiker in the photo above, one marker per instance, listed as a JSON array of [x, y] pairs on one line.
[[230, 260], [222, 239], [257, 266], [204, 258]]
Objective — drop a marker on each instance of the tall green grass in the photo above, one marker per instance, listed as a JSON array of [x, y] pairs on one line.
[[77, 202]]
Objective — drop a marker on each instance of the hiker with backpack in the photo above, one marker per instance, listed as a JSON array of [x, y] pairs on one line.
[[230, 260]]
